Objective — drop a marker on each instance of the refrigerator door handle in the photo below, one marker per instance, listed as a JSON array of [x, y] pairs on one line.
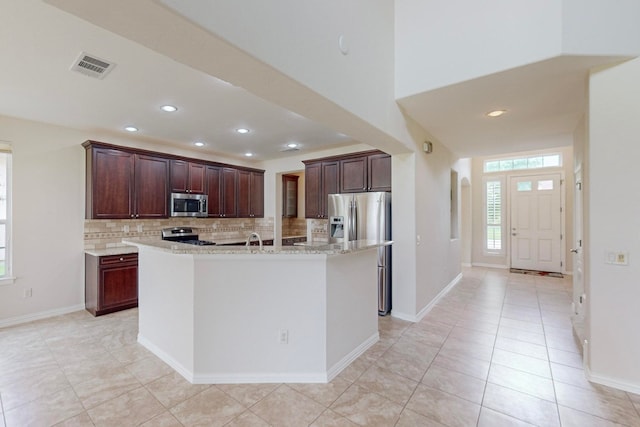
[[353, 217]]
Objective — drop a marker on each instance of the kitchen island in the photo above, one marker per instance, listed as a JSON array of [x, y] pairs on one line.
[[225, 314]]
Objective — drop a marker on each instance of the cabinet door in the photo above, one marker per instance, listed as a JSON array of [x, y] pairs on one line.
[[289, 196], [244, 194], [229, 192], [196, 178], [119, 286], [330, 184], [111, 193], [179, 176], [353, 175], [312, 189], [256, 200], [152, 187], [213, 175], [379, 174]]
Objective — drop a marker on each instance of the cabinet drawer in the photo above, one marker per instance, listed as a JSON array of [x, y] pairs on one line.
[[116, 259]]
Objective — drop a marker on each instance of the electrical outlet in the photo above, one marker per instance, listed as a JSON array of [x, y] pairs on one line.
[[283, 336], [139, 228], [28, 293], [125, 228]]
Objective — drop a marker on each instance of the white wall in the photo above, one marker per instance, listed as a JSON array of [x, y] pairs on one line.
[[613, 210], [478, 205], [439, 43]]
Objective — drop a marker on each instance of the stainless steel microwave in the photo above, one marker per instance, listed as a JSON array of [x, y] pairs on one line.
[[186, 204]]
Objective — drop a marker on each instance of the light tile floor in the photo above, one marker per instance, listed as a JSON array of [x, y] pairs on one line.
[[496, 351]]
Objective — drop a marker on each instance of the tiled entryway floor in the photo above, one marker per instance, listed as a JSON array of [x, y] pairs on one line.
[[496, 351]]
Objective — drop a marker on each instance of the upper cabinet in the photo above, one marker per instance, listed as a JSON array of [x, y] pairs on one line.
[[125, 183], [321, 178], [122, 184], [350, 173], [250, 194], [222, 184], [187, 177], [365, 172]]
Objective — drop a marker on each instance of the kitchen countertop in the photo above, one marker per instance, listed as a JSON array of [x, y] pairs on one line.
[[323, 249], [120, 250]]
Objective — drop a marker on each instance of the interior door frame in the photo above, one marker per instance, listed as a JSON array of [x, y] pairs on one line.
[[563, 231]]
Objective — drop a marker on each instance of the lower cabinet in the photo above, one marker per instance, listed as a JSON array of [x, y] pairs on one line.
[[111, 283]]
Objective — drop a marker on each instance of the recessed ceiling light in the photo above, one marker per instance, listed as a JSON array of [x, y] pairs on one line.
[[248, 154], [131, 129], [199, 144], [242, 130], [169, 108], [292, 145], [496, 113]]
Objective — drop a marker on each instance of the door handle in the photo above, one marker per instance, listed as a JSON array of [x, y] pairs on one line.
[[575, 251], [514, 234]]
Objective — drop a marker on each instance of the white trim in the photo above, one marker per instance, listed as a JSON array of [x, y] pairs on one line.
[[4, 281], [353, 355], [611, 382], [466, 264], [259, 378], [484, 264], [12, 321], [420, 315]]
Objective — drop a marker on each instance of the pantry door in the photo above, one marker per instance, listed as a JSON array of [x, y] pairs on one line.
[[536, 223]]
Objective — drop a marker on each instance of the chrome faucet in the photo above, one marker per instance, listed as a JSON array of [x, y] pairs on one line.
[[251, 236]]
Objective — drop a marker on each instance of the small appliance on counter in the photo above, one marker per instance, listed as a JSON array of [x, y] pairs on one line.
[[367, 216], [184, 235]]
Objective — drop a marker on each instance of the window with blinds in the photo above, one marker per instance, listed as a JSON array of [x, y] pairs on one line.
[[494, 223]]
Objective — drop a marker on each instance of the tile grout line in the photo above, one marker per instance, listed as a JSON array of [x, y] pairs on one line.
[[486, 383]]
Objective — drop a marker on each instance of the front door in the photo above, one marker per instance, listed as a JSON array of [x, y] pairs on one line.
[[536, 223]]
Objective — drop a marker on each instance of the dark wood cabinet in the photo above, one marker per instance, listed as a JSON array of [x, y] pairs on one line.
[[122, 184], [222, 183], [250, 194], [321, 179], [367, 172], [151, 187], [353, 175], [187, 177], [125, 183], [379, 172], [111, 283]]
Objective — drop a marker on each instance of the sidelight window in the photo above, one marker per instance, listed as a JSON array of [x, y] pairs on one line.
[[494, 216]]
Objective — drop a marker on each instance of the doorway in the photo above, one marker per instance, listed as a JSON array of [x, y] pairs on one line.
[[536, 222]]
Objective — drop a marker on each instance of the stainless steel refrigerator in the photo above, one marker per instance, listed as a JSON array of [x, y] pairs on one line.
[[367, 216]]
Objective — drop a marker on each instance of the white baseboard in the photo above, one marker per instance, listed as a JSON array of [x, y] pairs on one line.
[[259, 378], [466, 264], [420, 315], [611, 382], [12, 321], [353, 355]]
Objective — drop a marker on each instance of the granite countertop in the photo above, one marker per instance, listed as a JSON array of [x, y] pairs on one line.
[[120, 250], [324, 249]]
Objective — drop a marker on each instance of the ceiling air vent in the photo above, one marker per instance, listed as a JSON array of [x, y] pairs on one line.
[[286, 149], [92, 66]]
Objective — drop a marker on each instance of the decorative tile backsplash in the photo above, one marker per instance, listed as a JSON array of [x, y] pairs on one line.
[[294, 227], [103, 234]]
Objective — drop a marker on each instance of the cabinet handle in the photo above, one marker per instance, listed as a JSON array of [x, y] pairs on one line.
[[121, 259]]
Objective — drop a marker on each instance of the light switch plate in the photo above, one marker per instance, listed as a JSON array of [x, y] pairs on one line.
[[616, 257]]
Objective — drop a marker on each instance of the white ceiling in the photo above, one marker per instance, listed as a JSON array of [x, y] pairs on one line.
[[545, 100]]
